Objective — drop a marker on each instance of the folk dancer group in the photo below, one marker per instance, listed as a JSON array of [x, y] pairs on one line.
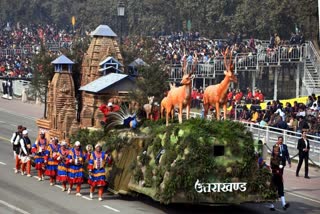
[[60, 163]]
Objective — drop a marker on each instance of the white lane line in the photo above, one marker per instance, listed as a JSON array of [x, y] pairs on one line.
[[13, 207], [3, 163], [5, 139], [17, 114], [110, 208], [56, 185], [85, 197], [304, 197]]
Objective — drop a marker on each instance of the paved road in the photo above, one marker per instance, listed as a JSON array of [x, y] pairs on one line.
[[20, 194]]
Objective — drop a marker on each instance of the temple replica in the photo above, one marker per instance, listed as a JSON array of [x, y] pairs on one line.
[[60, 118], [102, 81]]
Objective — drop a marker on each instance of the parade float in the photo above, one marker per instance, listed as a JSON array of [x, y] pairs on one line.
[[193, 161]]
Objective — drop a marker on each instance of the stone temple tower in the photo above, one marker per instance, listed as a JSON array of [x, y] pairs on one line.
[[60, 119], [103, 46]]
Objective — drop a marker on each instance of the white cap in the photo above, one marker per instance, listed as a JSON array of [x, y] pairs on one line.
[[63, 143], [98, 144], [89, 147], [110, 104], [25, 132], [77, 143], [42, 132]]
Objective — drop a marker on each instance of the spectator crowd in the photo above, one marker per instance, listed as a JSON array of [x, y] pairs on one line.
[[298, 117], [19, 42]]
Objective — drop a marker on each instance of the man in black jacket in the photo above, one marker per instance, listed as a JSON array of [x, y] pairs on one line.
[[303, 147]]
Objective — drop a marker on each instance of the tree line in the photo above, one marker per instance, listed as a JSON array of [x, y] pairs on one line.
[[212, 18]]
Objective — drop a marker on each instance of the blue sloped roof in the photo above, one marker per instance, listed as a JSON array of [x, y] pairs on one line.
[[110, 58], [103, 30], [62, 60], [103, 82]]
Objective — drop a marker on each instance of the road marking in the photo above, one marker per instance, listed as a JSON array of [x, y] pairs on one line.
[[110, 208], [56, 185], [3, 138], [304, 197], [13, 207], [17, 114], [3, 163], [85, 197]]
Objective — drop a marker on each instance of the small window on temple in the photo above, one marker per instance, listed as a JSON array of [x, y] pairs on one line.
[[218, 150]]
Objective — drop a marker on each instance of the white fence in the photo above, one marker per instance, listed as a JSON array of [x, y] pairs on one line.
[[269, 135], [17, 86], [246, 61]]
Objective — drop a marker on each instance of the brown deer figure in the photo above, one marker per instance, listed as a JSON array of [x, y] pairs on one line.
[[148, 107], [164, 103], [181, 96], [216, 95]]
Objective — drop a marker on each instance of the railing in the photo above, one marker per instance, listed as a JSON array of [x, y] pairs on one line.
[[246, 62], [308, 80], [270, 136], [30, 50], [314, 57]]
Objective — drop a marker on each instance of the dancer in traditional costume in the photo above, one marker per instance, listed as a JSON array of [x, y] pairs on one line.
[[62, 157], [97, 172], [51, 159], [25, 151], [76, 159], [38, 150], [89, 149]]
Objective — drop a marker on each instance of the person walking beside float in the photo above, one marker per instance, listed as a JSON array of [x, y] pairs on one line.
[[38, 150], [76, 159], [63, 165], [16, 136], [24, 155], [97, 172], [51, 160], [277, 164]]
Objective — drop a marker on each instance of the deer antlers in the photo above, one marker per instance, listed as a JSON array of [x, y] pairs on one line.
[[229, 66]]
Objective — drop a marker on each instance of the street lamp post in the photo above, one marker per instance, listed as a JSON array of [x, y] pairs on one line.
[[120, 15]]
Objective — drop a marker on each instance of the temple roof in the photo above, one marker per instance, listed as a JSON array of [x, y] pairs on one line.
[[62, 60], [103, 82], [110, 59], [103, 30]]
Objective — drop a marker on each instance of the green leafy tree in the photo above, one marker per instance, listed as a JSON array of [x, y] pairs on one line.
[[42, 72]]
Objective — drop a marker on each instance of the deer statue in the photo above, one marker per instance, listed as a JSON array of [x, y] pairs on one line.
[[164, 103], [148, 107], [181, 96], [216, 95]]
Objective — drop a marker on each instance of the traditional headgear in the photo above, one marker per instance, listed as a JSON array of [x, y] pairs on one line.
[[42, 132], [77, 143], [98, 144], [63, 143], [89, 147], [25, 132], [109, 104]]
